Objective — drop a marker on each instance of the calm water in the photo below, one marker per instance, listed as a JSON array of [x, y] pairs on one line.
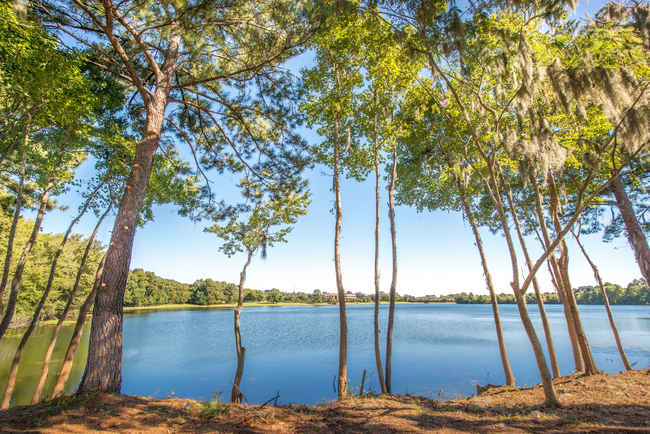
[[294, 350]]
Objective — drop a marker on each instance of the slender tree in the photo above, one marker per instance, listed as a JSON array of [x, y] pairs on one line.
[[612, 324], [329, 100], [248, 229], [76, 333], [64, 315]]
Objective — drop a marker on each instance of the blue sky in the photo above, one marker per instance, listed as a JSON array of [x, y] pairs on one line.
[[436, 252]]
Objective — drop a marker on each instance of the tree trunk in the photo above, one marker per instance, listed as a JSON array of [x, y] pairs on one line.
[[20, 267], [380, 371], [235, 395], [76, 334], [342, 388], [393, 283], [587, 357], [104, 367], [621, 351], [510, 379], [64, 315], [634, 232], [547, 380], [14, 222], [557, 278], [37, 312], [538, 294]]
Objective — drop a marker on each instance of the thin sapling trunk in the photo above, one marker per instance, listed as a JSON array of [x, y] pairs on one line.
[[64, 315], [380, 371], [342, 386], [621, 351], [236, 395], [14, 222], [557, 278], [76, 334], [37, 312], [20, 267], [538, 294], [510, 379], [393, 283], [587, 357]]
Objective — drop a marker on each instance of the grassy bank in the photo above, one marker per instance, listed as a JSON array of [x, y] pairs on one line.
[[601, 403]]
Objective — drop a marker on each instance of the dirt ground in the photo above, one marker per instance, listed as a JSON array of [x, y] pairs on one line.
[[600, 404]]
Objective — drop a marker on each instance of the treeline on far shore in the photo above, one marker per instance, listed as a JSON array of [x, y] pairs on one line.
[[145, 289]]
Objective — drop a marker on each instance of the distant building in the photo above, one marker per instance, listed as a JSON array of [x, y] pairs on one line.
[[335, 296]]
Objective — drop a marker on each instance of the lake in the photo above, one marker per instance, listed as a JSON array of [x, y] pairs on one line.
[[441, 349]]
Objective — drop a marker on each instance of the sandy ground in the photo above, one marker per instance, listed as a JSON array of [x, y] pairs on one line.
[[599, 404]]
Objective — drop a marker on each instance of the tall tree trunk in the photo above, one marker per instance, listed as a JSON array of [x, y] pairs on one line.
[[380, 371], [634, 232], [538, 294], [20, 267], [64, 315], [550, 398], [621, 351], [235, 395], [104, 367], [342, 388], [14, 222], [557, 278], [587, 357], [510, 379], [37, 312], [393, 283], [76, 334]]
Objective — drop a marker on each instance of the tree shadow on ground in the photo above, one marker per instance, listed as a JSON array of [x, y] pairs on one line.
[[373, 415]]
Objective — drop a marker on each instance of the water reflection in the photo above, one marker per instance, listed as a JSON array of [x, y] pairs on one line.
[[294, 349], [31, 363]]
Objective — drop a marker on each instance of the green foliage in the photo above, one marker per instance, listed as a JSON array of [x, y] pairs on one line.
[[254, 296], [37, 269], [214, 407], [249, 226], [317, 296], [274, 296], [144, 288]]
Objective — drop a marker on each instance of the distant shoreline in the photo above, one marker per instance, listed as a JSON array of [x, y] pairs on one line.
[[234, 305]]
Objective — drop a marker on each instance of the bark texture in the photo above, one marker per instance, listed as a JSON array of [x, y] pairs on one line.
[[76, 334], [510, 379], [538, 294], [236, 395], [612, 324], [104, 368], [634, 232], [64, 315], [547, 381], [557, 278], [587, 357], [393, 283], [342, 383], [380, 370]]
